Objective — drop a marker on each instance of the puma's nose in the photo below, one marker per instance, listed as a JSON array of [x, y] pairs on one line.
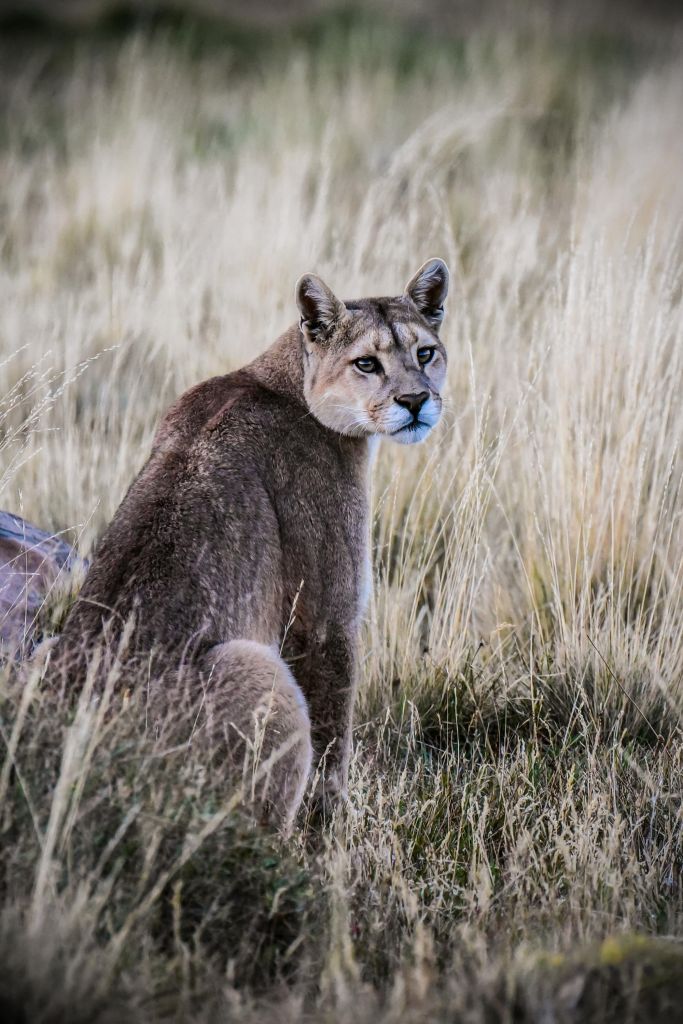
[[412, 402]]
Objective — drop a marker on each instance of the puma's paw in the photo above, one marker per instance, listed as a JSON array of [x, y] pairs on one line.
[[330, 789]]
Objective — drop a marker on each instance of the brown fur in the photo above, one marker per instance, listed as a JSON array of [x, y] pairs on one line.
[[241, 548]]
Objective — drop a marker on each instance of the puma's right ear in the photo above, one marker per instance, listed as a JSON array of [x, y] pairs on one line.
[[428, 290], [320, 308]]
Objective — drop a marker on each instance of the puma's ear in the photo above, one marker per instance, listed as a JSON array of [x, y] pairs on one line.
[[320, 308], [428, 290]]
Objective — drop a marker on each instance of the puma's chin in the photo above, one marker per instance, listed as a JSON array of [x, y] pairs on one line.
[[412, 433]]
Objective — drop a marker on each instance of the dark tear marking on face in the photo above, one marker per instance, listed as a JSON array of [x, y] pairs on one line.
[[401, 344]]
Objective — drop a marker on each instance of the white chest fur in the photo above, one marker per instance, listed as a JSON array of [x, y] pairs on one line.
[[366, 580]]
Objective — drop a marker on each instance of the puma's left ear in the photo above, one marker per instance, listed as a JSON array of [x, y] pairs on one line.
[[428, 290]]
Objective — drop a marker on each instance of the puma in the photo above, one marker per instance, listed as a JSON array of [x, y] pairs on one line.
[[241, 551]]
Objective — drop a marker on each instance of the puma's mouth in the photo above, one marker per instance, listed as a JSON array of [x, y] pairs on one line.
[[411, 433], [412, 426]]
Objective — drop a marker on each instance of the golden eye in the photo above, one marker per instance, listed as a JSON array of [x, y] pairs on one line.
[[425, 355], [368, 364]]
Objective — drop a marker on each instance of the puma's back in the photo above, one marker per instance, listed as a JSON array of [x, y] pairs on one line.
[[194, 529]]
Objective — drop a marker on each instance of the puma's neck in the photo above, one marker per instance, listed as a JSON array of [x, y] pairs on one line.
[[280, 368]]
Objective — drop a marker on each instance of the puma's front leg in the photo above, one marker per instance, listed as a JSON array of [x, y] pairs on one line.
[[329, 683]]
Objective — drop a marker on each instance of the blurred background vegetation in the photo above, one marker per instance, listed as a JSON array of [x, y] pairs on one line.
[[215, 22]]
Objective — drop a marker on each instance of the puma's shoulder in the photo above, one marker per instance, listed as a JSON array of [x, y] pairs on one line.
[[205, 406]]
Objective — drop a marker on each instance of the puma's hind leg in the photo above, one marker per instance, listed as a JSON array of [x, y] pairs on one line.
[[253, 700]]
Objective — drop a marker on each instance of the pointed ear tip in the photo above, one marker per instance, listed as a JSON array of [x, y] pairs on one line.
[[431, 267], [436, 261], [305, 288], [302, 282]]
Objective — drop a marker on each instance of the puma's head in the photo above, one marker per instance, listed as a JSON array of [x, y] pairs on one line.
[[375, 366]]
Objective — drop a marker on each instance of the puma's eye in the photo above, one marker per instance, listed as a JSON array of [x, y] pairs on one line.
[[368, 364], [425, 355]]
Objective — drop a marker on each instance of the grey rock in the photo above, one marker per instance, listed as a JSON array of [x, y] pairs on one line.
[[32, 563]]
